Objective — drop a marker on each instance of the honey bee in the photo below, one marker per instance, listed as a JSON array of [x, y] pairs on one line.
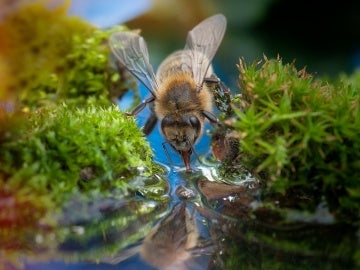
[[180, 97]]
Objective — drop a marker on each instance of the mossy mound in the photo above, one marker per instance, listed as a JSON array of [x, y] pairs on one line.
[[65, 148], [301, 135], [47, 56]]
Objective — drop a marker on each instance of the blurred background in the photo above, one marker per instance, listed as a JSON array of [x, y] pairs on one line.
[[324, 36]]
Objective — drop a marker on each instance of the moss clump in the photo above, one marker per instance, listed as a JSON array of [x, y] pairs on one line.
[[34, 40], [302, 134], [88, 76], [47, 56], [67, 148]]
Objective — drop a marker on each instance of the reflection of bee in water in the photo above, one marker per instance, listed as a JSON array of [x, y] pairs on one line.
[[182, 101], [174, 243], [169, 245]]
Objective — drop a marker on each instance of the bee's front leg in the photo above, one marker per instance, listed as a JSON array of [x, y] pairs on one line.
[[151, 120], [141, 106]]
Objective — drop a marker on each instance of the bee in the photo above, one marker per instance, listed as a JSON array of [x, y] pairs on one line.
[[180, 97]]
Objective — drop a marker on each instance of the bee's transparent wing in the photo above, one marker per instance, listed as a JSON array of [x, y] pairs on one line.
[[131, 50], [203, 41]]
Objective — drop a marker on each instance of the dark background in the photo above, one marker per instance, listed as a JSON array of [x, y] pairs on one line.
[[324, 36]]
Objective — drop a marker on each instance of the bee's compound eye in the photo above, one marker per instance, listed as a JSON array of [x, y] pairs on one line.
[[167, 121], [194, 122]]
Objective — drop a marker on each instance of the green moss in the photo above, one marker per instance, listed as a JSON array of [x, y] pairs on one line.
[[48, 56], [88, 76], [301, 133], [69, 148], [52, 58], [34, 40]]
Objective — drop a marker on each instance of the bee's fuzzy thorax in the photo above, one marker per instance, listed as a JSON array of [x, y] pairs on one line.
[[178, 94]]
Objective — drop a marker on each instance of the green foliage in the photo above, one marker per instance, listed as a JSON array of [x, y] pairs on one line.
[[33, 42], [69, 148], [302, 133], [85, 75], [88, 76], [49, 56]]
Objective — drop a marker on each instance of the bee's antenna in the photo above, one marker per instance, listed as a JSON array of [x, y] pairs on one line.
[[167, 153]]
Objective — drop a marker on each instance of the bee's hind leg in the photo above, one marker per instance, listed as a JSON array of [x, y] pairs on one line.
[[221, 93], [215, 80]]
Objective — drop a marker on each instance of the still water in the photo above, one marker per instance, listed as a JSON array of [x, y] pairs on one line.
[[175, 235], [202, 223]]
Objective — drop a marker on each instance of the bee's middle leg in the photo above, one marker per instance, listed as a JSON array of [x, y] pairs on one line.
[[150, 124]]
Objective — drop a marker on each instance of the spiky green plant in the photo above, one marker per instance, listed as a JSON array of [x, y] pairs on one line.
[[302, 133]]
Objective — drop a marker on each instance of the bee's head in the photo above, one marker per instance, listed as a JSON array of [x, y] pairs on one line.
[[182, 133]]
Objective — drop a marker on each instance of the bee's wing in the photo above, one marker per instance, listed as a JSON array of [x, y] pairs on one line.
[[131, 50], [203, 41]]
